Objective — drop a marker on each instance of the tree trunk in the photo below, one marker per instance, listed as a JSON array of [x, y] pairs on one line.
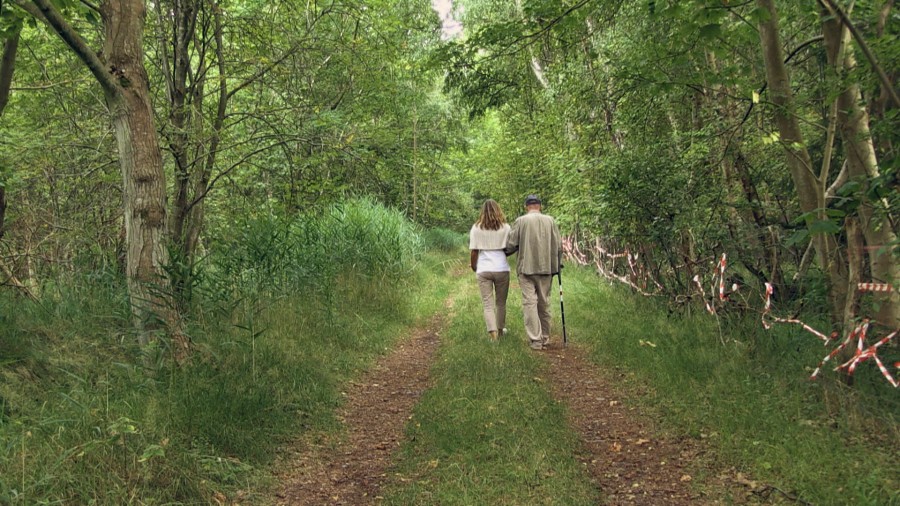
[[808, 187], [862, 165], [143, 177], [2, 209], [855, 267], [182, 17], [7, 66]]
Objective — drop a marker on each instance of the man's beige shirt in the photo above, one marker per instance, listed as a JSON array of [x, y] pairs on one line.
[[536, 238]]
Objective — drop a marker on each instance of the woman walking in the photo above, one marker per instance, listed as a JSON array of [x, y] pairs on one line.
[[487, 239]]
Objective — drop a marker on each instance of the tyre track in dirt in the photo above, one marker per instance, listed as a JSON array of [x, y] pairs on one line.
[[352, 470], [629, 461]]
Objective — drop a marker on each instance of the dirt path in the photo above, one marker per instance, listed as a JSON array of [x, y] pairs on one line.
[[351, 471], [630, 462]]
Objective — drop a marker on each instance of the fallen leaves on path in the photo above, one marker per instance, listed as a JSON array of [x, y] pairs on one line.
[[351, 471], [630, 462]]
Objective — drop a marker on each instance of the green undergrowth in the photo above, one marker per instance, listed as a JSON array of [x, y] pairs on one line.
[[488, 430], [442, 239], [88, 417], [82, 423], [746, 391]]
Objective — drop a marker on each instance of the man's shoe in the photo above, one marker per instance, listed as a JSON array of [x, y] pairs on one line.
[[493, 335], [536, 346]]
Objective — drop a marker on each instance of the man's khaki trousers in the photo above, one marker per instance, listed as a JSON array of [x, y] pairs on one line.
[[536, 307]]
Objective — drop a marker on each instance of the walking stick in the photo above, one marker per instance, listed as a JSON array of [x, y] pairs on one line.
[[562, 309]]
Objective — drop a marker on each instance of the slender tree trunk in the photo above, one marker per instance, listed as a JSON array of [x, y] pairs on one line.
[[855, 267], [415, 163], [198, 209], [182, 16], [7, 66], [862, 164], [757, 251], [808, 187], [2, 210]]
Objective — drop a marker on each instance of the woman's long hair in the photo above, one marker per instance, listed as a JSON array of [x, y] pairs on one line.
[[491, 217]]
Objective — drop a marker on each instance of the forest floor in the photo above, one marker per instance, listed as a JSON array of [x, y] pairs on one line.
[[628, 459]]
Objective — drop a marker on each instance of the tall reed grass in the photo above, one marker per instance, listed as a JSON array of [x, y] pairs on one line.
[[283, 312]]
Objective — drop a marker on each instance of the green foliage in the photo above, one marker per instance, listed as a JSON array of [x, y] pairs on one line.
[[83, 422], [445, 240], [751, 397]]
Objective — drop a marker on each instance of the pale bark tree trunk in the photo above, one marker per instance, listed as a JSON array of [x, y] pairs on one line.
[[142, 168], [124, 81], [855, 267], [807, 184], [862, 164]]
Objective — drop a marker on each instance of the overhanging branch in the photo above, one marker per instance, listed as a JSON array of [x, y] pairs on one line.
[[50, 15]]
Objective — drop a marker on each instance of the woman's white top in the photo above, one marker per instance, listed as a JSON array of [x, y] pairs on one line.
[[490, 244], [491, 260]]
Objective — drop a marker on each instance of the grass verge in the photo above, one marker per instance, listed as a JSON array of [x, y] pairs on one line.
[[750, 397]]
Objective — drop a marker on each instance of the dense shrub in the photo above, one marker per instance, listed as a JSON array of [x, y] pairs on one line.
[[442, 239]]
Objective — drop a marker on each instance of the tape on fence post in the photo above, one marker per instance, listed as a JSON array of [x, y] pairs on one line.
[[722, 278]]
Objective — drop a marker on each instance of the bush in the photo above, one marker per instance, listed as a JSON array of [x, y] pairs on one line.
[[445, 240]]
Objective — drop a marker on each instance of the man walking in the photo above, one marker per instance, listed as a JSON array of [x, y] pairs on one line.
[[536, 238]]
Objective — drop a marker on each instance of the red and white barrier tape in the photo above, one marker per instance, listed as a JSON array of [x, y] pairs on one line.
[[638, 273], [612, 275], [875, 287], [719, 275], [572, 252], [861, 355], [722, 278], [775, 319], [709, 307], [859, 330]]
